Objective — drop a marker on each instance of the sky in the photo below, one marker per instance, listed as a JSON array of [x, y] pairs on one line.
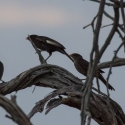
[[64, 22]]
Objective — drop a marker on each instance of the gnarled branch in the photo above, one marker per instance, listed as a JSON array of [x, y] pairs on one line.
[[16, 113]]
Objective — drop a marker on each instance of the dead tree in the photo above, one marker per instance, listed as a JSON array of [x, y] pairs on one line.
[[70, 90]]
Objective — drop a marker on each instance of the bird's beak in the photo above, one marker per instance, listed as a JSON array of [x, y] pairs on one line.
[[70, 55], [27, 38]]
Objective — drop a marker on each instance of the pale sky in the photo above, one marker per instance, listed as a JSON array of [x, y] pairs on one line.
[[62, 21]]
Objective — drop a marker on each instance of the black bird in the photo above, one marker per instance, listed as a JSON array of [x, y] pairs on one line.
[[82, 67], [1, 70], [47, 44]]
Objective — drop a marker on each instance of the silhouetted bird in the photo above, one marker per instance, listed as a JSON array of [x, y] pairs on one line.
[[82, 67], [47, 44], [1, 70]]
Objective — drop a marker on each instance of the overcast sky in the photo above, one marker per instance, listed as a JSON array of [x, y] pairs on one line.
[[62, 21]]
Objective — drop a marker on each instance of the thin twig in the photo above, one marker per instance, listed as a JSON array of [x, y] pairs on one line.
[[120, 35], [107, 25], [92, 23], [99, 92], [110, 69], [106, 3], [16, 114], [37, 51], [98, 86], [118, 3], [123, 17], [110, 17], [111, 34]]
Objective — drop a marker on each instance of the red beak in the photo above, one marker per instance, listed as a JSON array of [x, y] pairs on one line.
[[70, 55], [27, 38]]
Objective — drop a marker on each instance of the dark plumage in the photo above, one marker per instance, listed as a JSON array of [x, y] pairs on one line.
[[47, 44], [82, 67], [1, 70]]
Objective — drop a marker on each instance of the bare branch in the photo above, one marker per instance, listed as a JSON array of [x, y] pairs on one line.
[[91, 24], [16, 113], [66, 84], [92, 67], [120, 35], [122, 12], [113, 59], [117, 62], [107, 25], [43, 75], [106, 3], [118, 3], [110, 17], [111, 34], [98, 105], [37, 51]]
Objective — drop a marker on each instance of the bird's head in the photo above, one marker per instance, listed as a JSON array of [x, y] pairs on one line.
[[75, 56], [33, 37]]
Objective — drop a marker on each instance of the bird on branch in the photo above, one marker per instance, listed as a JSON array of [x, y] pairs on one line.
[[82, 67], [1, 71], [47, 44]]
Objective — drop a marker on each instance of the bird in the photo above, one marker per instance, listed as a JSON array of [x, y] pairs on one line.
[[47, 44], [1, 70], [82, 66]]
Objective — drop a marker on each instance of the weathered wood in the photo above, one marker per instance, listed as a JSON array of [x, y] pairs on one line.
[[66, 84], [17, 115]]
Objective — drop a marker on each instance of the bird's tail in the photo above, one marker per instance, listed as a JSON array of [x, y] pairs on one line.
[[105, 82], [64, 52]]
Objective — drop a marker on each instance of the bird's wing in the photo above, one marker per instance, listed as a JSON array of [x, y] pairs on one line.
[[50, 41], [85, 64]]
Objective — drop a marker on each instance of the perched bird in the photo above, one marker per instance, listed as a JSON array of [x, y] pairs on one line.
[[47, 44], [82, 67], [1, 70]]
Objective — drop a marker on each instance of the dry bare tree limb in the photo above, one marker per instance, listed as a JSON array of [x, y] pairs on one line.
[[99, 92], [106, 3], [44, 75], [66, 84], [40, 105], [91, 24], [42, 60], [107, 25], [98, 105], [123, 18], [113, 59], [109, 73], [120, 34], [119, 25], [110, 17], [98, 86], [123, 15], [112, 32], [17, 115], [118, 3], [92, 67], [117, 62]]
